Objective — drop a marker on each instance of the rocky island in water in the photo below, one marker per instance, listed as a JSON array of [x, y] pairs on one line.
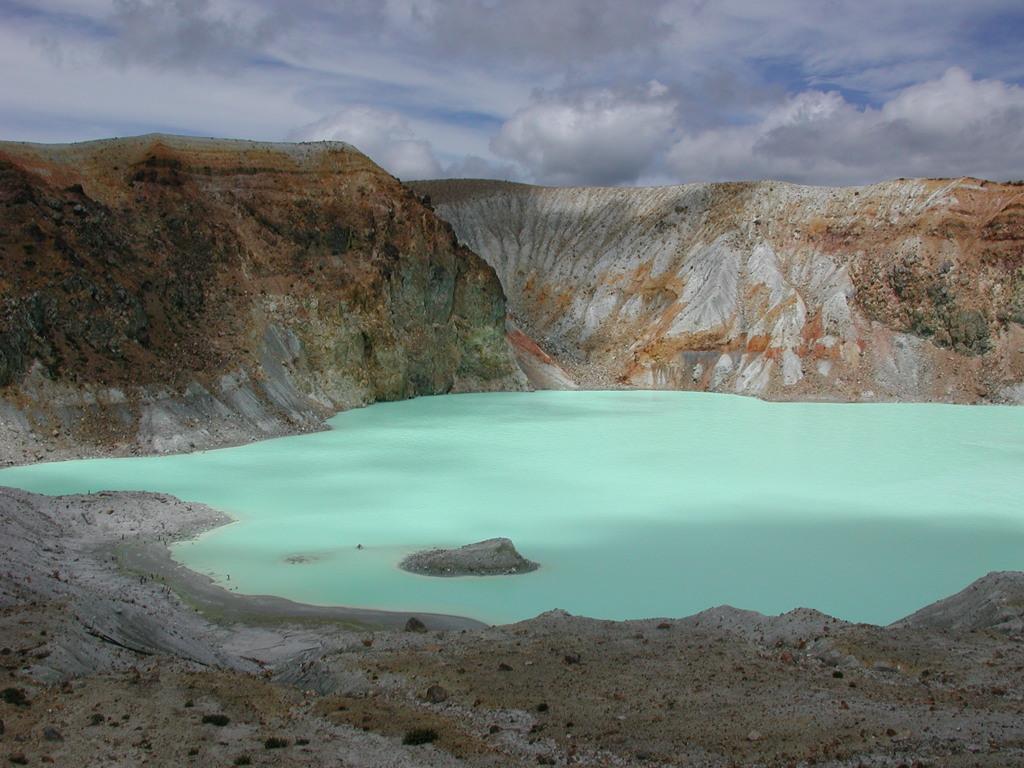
[[493, 557]]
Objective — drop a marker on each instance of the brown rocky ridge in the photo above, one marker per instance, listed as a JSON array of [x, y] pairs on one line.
[[168, 293]]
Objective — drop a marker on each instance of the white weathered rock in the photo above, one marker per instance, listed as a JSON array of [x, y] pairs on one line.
[[642, 281]]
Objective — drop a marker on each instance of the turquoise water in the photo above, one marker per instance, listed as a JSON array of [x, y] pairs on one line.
[[638, 504]]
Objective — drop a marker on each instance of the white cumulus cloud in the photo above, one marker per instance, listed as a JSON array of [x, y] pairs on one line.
[[951, 126], [385, 136], [599, 136], [550, 91]]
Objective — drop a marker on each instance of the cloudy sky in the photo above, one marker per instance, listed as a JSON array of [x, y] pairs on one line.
[[610, 92]]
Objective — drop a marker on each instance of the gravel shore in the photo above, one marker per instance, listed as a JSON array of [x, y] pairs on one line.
[[104, 654]]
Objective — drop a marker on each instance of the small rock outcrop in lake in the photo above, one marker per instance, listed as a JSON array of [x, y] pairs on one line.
[[493, 557]]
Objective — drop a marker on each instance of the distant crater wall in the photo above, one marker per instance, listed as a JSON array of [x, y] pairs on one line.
[[907, 290]]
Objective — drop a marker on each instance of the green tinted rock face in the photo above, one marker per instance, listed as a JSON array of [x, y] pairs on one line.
[[969, 331], [158, 266]]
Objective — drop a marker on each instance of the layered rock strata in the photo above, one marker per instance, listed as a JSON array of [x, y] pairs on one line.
[[906, 290], [164, 293]]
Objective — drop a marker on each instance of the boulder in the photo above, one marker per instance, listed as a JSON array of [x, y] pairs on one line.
[[493, 557], [415, 625]]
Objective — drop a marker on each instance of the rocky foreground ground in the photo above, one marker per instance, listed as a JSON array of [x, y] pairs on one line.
[[102, 666]]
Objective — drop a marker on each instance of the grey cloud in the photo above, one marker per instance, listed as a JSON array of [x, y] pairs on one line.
[[877, 46], [600, 136], [476, 167], [227, 35], [189, 34], [952, 126], [566, 33], [747, 83], [384, 136]]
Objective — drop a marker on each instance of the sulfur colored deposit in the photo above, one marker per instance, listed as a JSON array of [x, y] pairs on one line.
[[908, 290]]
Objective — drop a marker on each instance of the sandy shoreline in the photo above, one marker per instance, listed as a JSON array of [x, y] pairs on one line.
[[142, 525], [215, 602]]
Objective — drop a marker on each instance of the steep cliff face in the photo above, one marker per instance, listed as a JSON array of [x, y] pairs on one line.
[[907, 290], [161, 293]]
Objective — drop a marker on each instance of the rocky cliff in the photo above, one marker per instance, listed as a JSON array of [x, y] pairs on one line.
[[165, 293], [907, 290]]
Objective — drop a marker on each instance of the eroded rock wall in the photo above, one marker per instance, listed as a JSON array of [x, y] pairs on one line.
[[907, 290], [165, 293]]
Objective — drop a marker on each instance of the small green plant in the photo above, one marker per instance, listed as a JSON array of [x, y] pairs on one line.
[[419, 736], [219, 720], [96, 718], [193, 751], [243, 760], [275, 742]]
